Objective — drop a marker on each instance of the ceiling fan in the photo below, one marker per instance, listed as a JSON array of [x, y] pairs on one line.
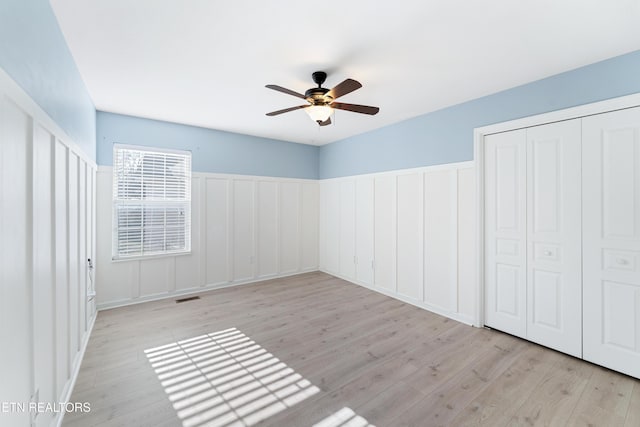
[[321, 101]]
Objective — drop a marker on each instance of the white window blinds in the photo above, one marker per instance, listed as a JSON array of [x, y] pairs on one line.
[[151, 201]]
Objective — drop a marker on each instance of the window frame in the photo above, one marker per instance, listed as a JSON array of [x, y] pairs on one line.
[[185, 203]]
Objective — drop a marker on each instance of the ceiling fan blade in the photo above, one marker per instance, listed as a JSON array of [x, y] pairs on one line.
[[326, 122], [344, 88], [364, 109], [286, 110], [285, 90]]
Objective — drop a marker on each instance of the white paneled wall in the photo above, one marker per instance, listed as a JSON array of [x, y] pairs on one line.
[[384, 232], [309, 226], [244, 229], [289, 241], [267, 228], [347, 229], [409, 234], [46, 228], [364, 230]]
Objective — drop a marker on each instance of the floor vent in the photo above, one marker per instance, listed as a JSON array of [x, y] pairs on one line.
[[187, 299]]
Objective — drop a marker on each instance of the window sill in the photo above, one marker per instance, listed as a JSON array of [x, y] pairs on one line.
[[150, 257]]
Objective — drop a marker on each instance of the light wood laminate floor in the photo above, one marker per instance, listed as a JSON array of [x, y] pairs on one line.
[[312, 349]]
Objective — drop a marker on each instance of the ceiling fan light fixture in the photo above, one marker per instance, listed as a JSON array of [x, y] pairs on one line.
[[319, 113], [321, 101]]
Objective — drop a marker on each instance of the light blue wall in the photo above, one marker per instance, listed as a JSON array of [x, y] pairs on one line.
[[34, 53], [213, 150], [446, 136]]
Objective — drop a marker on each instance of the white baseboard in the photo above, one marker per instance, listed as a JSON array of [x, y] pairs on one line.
[[196, 290], [459, 317]]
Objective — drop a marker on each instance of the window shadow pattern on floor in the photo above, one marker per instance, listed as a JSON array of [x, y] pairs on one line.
[[226, 379], [345, 417]]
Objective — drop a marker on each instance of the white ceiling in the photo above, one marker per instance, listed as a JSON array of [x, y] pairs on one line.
[[205, 62]]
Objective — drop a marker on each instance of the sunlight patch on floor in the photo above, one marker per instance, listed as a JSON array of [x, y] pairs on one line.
[[345, 417], [226, 379]]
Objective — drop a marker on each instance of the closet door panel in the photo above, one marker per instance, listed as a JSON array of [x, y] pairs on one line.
[[554, 282], [348, 229], [505, 232], [364, 230], [611, 233]]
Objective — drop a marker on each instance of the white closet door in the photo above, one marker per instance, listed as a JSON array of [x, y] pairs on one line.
[[348, 229], [364, 230], [611, 219], [554, 287], [505, 232]]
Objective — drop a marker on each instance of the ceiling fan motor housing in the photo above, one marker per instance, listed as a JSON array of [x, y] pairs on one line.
[[317, 96]]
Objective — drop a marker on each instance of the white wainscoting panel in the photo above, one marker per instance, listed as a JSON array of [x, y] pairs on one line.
[[348, 229], [289, 241], [61, 266], [467, 299], [330, 226], [267, 228], [45, 317], [309, 215], [410, 241], [74, 286], [15, 262], [441, 239], [415, 227], [384, 234], [188, 267], [244, 229], [43, 267], [243, 237], [216, 229], [413, 238], [82, 250], [364, 230]]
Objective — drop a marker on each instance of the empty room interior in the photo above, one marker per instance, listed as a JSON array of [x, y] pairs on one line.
[[339, 214]]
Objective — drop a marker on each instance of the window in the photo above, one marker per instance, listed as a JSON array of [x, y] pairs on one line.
[[151, 201]]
